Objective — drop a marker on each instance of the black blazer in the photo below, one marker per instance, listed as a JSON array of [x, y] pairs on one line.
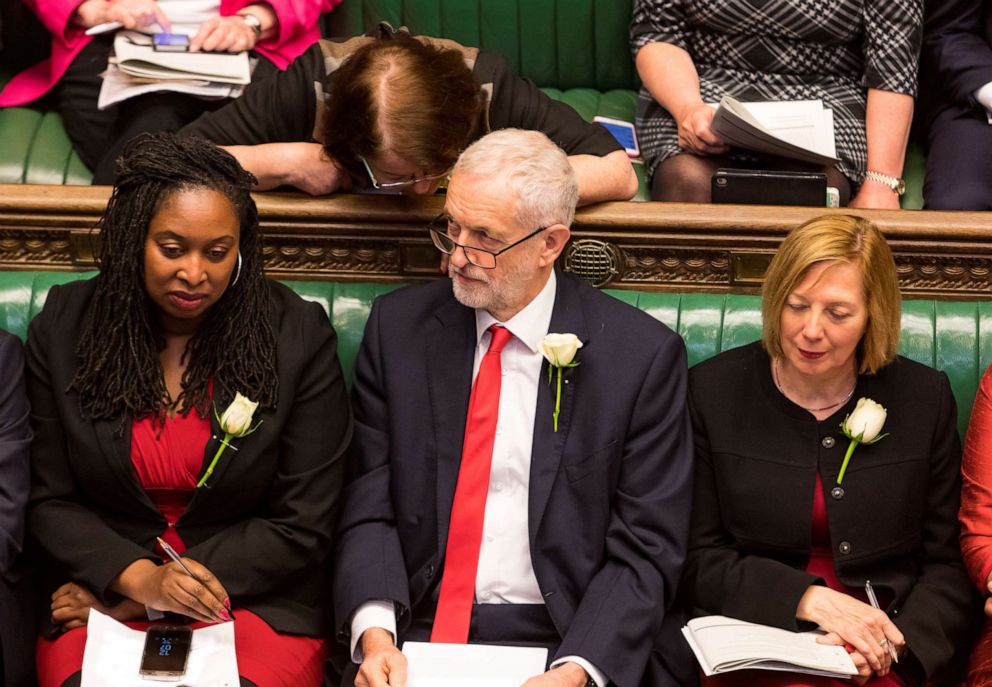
[[957, 54], [15, 437], [265, 524], [893, 521], [609, 492]]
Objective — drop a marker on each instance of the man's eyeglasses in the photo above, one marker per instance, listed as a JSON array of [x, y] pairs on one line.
[[393, 185], [480, 257]]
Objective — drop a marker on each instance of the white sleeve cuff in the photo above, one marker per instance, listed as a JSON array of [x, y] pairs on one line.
[[593, 671], [984, 96], [371, 614]]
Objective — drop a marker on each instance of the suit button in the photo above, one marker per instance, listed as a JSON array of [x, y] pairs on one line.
[[429, 573], [828, 442], [837, 493], [844, 547]]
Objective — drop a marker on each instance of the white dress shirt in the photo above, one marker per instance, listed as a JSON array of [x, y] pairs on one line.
[[505, 573]]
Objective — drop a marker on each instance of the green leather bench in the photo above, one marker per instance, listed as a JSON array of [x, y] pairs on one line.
[[955, 337], [576, 50]]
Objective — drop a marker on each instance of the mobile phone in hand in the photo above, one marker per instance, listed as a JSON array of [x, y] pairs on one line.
[[170, 42], [166, 652]]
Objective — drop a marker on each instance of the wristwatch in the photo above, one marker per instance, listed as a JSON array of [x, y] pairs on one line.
[[897, 185], [253, 22]]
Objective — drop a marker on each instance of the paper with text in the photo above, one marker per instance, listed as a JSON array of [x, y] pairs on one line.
[[471, 665]]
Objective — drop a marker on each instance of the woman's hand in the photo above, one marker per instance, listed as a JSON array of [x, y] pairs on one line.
[[695, 133], [849, 621], [223, 34], [168, 588], [71, 604], [132, 14], [873, 195]]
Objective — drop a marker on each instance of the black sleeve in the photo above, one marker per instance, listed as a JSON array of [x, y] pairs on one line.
[[280, 109], [15, 439], [518, 103], [956, 50]]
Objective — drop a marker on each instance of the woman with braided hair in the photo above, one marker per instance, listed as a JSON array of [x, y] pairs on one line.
[[129, 376]]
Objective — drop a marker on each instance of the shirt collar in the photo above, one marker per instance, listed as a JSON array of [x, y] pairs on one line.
[[531, 324]]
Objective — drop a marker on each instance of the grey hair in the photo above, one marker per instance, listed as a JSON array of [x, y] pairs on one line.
[[534, 168]]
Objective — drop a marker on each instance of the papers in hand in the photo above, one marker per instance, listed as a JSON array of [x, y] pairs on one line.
[[723, 645], [799, 130], [135, 56], [113, 655], [471, 665]]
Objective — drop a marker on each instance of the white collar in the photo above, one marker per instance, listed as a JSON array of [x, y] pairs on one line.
[[531, 324]]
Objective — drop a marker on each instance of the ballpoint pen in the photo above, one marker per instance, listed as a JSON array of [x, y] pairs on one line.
[[171, 553], [870, 591]]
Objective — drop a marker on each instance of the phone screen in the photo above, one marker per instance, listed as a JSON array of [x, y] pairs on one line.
[[170, 42], [623, 132], [166, 650]]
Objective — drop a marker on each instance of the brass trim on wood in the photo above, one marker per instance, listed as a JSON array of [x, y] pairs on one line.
[[653, 246]]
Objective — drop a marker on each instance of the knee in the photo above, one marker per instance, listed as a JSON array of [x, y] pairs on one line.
[[684, 178], [963, 193]]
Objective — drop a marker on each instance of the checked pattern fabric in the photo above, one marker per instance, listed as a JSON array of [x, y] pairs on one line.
[[833, 50]]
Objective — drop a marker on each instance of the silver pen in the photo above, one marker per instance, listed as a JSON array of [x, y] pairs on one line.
[[171, 553], [870, 591]]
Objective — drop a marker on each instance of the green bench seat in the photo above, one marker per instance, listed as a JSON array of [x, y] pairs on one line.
[[955, 337]]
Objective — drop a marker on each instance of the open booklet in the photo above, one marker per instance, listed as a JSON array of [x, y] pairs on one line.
[[798, 129], [723, 645]]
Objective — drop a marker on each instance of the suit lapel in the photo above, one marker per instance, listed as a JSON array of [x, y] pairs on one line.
[[546, 452], [209, 451], [450, 356], [116, 450]]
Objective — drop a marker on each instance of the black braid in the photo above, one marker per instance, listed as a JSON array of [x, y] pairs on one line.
[[119, 373]]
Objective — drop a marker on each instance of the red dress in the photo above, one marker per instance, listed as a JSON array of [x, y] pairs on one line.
[[167, 462], [821, 564], [976, 518]]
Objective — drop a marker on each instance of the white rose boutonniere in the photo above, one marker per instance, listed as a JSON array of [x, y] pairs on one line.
[[559, 350], [235, 423], [862, 427]]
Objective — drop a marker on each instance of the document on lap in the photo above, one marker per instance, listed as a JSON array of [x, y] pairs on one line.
[[723, 645], [471, 665], [113, 655]]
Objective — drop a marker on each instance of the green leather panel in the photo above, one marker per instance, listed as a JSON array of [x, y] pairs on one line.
[[560, 43], [914, 170], [76, 173], [50, 152], [17, 129], [955, 337]]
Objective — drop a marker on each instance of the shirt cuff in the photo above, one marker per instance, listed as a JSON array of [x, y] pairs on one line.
[[984, 96], [371, 614], [593, 671]]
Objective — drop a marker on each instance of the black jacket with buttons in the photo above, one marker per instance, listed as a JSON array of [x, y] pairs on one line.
[[893, 521]]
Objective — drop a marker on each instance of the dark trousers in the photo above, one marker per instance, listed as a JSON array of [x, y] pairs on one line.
[[99, 136], [959, 162], [18, 631]]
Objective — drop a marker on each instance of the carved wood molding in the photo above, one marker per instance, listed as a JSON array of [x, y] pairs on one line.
[[647, 246]]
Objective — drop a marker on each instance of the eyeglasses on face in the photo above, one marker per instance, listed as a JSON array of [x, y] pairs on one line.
[[392, 185], [480, 257]]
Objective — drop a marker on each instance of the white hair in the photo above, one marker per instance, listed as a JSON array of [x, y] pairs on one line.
[[533, 167]]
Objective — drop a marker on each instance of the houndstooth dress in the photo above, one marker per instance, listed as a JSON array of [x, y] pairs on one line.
[[832, 50]]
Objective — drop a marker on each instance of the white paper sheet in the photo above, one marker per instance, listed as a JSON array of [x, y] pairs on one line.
[[471, 665], [113, 655]]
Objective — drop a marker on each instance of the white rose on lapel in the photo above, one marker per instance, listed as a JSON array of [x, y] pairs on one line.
[[236, 420], [559, 349], [865, 422]]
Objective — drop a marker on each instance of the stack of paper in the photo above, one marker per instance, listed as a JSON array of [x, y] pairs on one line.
[[471, 665], [723, 645], [799, 129]]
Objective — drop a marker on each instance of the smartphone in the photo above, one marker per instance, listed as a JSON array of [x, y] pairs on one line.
[[170, 42], [623, 132], [768, 187], [166, 652]]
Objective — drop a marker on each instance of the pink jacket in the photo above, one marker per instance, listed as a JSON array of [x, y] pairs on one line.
[[298, 30]]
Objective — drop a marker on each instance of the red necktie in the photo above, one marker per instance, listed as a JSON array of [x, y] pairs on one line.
[[461, 558]]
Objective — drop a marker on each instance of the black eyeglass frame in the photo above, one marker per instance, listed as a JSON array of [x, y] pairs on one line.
[[438, 236]]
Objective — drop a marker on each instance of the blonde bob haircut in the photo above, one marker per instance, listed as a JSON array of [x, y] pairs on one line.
[[838, 238]]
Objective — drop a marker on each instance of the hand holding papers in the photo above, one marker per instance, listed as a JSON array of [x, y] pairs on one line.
[[799, 130], [113, 655], [471, 665]]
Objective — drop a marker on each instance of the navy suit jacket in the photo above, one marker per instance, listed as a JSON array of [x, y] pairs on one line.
[[957, 53], [15, 440], [609, 492]]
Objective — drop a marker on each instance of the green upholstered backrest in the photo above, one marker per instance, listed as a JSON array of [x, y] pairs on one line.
[[556, 43], [955, 337]]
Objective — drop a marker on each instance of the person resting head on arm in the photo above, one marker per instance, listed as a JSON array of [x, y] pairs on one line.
[[785, 531], [392, 112], [129, 376]]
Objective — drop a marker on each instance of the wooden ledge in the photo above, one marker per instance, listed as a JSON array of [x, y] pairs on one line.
[[648, 246]]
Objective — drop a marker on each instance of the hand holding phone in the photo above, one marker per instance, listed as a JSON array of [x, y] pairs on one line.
[[170, 42]]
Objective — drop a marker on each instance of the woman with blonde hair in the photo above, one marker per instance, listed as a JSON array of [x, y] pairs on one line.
[[788, 525]]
